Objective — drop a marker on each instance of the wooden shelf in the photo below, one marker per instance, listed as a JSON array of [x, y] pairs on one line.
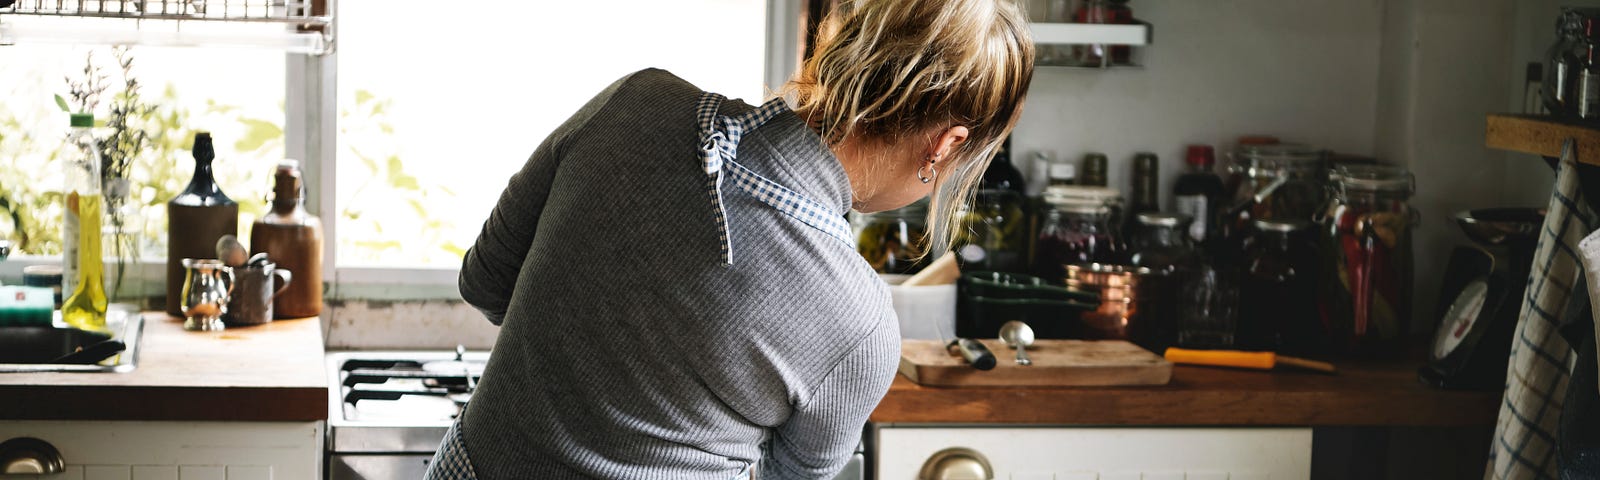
[[1542, 135]]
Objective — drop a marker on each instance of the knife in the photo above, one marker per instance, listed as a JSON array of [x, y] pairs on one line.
[[973, 352]]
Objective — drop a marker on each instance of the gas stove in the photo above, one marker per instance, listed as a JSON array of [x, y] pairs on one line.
[[388, 410]]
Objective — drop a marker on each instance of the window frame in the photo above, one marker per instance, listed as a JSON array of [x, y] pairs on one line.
[[310, 134], [311, 130]]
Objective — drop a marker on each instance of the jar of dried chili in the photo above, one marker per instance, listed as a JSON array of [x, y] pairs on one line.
[[1365, 298]]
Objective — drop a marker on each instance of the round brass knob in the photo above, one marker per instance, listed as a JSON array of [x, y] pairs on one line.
[[957, 463]]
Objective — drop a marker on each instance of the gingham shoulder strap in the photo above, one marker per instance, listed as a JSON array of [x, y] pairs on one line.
[[719, 147]]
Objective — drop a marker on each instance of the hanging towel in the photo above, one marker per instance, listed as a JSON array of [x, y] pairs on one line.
[[1541, 359]]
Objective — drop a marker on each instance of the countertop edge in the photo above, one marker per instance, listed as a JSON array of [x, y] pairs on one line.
[[122, 402]]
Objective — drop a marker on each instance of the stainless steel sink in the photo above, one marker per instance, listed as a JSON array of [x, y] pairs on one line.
[[28, 349]]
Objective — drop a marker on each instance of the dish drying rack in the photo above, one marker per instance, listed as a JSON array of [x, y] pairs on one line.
[[308, 23]]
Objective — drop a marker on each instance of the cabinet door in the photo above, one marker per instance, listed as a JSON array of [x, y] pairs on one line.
[[179, 450], [1104, 453]]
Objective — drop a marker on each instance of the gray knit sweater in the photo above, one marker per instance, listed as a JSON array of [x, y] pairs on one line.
[[627, 349]]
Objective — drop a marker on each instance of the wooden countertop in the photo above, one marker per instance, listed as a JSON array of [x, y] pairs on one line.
[[270, 372], [1359, 395]]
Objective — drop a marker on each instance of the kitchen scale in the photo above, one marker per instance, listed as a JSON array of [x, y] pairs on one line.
[[1481, 298]]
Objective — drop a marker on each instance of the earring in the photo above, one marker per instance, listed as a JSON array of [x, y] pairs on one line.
[[932, 173]]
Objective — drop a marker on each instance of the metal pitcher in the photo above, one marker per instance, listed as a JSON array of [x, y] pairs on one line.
[[207, 286]]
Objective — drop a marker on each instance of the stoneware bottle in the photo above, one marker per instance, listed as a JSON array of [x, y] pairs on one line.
[[292, 237], [195, 220]]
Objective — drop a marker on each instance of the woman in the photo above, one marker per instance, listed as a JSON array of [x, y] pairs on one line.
[[678, 293]]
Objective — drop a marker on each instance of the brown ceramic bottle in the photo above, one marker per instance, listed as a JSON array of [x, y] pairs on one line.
[[196, 218], [292, 237]]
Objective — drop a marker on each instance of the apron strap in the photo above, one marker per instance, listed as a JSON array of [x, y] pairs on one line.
[[719, 147]]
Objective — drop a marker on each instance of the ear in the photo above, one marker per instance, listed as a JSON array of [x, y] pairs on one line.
[[948, 140]]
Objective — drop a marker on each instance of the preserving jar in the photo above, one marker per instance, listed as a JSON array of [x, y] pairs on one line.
[[1073, 232], [1285, 181], [1365, 299], [1278, 289], [1162, 257], [892, 240]]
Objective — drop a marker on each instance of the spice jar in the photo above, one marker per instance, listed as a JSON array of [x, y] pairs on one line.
[[1278, 290], [1365, 299], [892, 241], [1073, 232]]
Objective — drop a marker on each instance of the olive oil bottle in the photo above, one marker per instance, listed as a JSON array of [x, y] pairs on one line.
[[85, 307]]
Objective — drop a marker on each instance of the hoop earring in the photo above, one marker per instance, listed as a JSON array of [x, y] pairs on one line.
[[932, 173]]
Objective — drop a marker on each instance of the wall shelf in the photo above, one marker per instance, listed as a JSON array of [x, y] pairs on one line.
[[1055, 41], [303, 26], [1542, 135]]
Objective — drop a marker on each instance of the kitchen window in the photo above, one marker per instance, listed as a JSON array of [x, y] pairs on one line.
[[432, 112]]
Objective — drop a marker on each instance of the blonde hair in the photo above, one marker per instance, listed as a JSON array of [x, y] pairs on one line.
[[886, 70]]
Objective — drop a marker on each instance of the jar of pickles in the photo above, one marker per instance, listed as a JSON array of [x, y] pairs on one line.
[[892, 241], [1365, 298], [995, 233]]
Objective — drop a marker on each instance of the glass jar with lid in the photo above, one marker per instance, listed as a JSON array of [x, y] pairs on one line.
[[893, 241], [1285, 181], [1108, 197], [1365, 297], [1161, 255], [1278, 289], [1073, 232]]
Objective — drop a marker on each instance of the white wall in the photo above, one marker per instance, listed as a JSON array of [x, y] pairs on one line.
[[1407, 81], [1303, 70]]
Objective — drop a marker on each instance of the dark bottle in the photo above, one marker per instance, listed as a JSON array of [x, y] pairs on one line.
[[1589, 72], [1278, 290], [1198, 192], [1002, 174], [1094, 170], [1118, 13], [292, 237], [1562, 62], [1146, 189], [196, 218], [996, 226]]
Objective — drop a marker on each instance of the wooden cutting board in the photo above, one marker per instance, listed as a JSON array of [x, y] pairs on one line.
[[1074, 363]]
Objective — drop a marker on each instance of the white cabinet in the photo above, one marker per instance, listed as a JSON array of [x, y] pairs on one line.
[[107, 450], [1103, 453]]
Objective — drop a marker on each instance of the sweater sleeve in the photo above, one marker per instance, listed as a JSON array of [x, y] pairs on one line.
[[490, 268], [819, 437]]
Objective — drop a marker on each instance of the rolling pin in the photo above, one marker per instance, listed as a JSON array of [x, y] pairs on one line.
[[1242, 359]]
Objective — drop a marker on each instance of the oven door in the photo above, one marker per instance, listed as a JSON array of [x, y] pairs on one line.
[[376, 466]]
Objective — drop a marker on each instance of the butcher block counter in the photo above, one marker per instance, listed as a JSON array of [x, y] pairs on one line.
[[1361, 394], [270, 372]]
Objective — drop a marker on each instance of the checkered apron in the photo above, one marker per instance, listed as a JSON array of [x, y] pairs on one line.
[[450, 462], [719, 146], [1541, 359]]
